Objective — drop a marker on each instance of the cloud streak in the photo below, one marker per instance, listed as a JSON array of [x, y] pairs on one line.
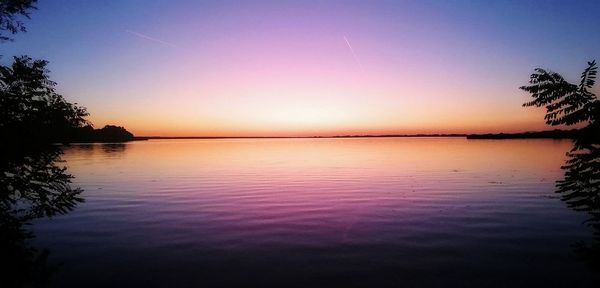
[[140, 35], [353, 54]]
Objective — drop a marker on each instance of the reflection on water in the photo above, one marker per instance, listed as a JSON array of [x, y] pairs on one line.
[[310, 212], [324, 212], [110, 148], [580, 189], [33, 185]]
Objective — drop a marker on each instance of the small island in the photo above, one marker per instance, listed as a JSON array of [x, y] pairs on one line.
[[109, 133]]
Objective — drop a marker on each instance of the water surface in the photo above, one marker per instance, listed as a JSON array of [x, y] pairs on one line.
[[365, 212]]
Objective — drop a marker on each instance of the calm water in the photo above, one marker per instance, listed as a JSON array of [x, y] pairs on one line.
[[398, 212]]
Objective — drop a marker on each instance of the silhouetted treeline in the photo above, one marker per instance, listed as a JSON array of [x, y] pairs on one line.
[[33, 114], [395, 136], [108, 133], [550, 134]]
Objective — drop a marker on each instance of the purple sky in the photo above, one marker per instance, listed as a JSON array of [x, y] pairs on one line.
[[308, 67]]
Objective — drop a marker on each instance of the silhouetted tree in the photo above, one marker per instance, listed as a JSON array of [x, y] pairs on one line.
[[31, 112], [32, 184], [570, 104], [565, 103], [10, 11], [30, 109]]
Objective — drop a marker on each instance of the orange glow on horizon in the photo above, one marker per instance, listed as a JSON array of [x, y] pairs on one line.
[[305, 68], [320, 123]]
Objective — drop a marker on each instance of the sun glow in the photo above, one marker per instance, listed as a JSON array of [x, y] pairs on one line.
[[300, 68]]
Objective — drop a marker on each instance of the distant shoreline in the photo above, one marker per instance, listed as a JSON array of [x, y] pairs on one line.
[[295, 137], [549, 134]]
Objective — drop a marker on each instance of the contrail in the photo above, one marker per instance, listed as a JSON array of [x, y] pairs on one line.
[[150, 38], [353, 54]]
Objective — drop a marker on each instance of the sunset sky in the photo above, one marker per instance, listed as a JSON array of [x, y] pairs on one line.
[[299, 68]]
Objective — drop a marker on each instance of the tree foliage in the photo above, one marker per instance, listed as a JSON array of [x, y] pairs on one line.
[[32, 183], [566, 103], [569, 104], [30, 108], [10, 12]]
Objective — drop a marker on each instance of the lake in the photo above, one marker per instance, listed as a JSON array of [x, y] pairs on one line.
[[352, 212]]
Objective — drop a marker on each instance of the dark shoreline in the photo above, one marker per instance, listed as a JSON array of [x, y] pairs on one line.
[[549, 134], [294, 137]]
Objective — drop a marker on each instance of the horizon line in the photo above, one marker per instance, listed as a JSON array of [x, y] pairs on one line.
[[291, 137], [456, 135]]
